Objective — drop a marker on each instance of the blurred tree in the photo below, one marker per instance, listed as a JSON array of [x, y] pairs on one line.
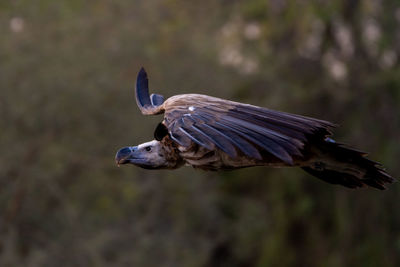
[[66, 103]]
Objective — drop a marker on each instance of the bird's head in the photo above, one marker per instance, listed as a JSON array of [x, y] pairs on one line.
[[150, 155]]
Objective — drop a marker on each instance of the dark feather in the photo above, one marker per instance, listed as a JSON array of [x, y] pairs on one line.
[[160, 132], [281, 134], [197, 137], [221, 141], [291, 145], [156, 99], [359, 170], [275, 143], [298, 123], [201, 135], [142, 89], [244, 146], [226, 125], [259, 140], [178, 136]]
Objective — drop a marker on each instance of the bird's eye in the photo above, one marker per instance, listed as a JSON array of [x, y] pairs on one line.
[[148, 148]]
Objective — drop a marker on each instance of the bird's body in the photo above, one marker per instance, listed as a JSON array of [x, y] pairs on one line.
[[216, 134]]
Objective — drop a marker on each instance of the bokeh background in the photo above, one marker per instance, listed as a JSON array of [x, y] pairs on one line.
[[67, 73]]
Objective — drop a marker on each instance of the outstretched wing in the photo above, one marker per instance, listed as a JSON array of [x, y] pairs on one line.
[[239, 128], [229, 126], [148, 104]]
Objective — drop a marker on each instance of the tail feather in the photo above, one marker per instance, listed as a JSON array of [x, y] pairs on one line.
[[340, 164]]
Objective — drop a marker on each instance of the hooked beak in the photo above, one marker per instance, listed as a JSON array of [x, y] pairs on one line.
[[123, 155]]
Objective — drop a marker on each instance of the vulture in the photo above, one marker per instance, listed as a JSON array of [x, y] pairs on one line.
[[210, 133]]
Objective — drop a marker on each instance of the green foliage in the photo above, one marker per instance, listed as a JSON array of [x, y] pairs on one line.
[[66, 105]]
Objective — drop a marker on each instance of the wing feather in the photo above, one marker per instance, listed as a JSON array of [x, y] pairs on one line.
[[231, 127], [246, 147], [197, 137], [259, 140], [219, 140], [269, 138], [178, 136], [243, 145], [202, 136]]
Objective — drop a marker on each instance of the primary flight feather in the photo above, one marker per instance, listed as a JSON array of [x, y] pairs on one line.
[[217, 134]]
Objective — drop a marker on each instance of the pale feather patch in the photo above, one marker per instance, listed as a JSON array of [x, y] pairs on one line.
[[151, 143]]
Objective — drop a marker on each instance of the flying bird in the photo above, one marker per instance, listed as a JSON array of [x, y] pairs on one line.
[[216, 134]]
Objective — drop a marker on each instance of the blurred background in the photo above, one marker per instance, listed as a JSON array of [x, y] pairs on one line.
[[67, 73]]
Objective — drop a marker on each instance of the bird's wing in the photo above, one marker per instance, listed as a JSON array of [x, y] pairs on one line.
[[230, 126], [148, 104], [235, 127]]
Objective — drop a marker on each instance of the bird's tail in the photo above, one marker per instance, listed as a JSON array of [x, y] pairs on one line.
[[342, 165]]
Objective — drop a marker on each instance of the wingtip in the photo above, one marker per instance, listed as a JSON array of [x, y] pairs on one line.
[[142, 89], [142, 71]]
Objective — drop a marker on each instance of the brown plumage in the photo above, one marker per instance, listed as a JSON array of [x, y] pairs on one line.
[[216, 134]]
